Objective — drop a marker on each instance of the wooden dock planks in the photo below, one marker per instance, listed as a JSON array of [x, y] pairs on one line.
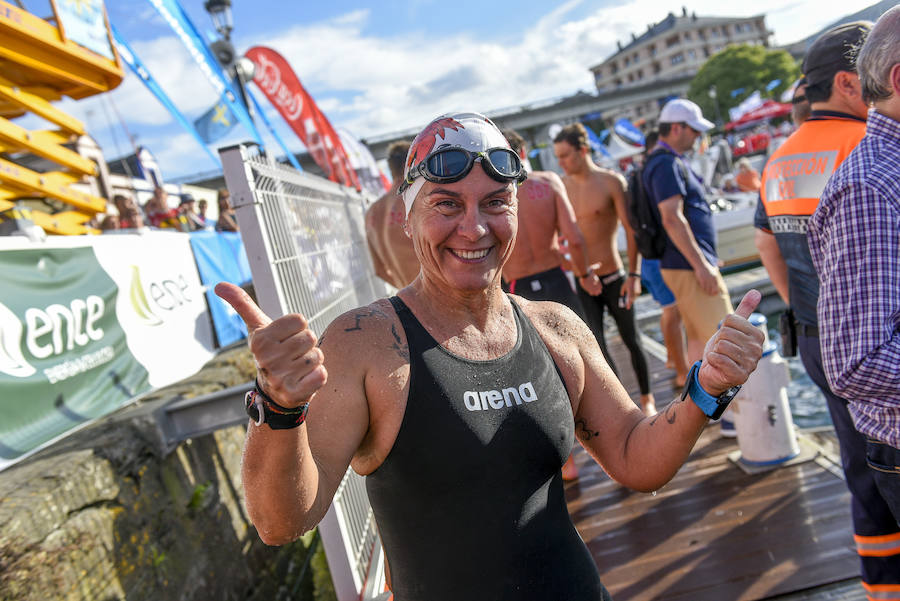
[[714, 532]]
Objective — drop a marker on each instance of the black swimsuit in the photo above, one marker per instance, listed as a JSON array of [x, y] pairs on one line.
[[469, 502]]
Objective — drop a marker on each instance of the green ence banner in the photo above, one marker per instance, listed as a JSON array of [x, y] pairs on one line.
[[63, 355]]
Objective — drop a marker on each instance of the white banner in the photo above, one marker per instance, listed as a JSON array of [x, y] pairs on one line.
[[161, 305]]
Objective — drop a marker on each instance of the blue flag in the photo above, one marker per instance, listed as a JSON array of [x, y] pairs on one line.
[[772, 85], [215, 123]]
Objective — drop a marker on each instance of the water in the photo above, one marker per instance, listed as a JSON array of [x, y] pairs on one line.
[[808, 407]]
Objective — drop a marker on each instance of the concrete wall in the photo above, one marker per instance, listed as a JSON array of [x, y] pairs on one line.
[[103, 516]]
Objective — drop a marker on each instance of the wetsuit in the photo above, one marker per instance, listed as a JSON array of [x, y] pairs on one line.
[[624, 318], [550, 285], [469, 502]]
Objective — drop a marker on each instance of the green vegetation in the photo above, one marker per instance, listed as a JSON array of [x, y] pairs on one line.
[[744, 66]]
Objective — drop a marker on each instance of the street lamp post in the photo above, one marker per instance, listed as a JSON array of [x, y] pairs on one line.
[[713, 93], [220, 11], [239, 69]]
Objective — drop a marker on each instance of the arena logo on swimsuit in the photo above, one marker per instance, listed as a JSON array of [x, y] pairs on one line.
[[498, 399]]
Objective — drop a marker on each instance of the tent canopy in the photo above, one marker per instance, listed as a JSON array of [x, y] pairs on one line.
[[769, 109]]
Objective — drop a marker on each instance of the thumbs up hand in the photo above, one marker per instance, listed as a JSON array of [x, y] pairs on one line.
[[287, 358], [732, 353]]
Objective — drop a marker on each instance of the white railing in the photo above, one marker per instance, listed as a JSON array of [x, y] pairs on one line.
[[306, 244]]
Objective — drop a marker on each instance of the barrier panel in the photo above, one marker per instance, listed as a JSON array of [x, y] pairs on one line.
[[220, 257], [306, 245], [87, 324]]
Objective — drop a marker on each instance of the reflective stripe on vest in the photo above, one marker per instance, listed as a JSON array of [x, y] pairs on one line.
[[796, 174]]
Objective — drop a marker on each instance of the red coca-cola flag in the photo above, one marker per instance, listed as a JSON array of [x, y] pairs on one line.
[[281, 86]]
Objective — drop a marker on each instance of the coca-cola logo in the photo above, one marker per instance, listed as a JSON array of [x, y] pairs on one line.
[[268, 78]]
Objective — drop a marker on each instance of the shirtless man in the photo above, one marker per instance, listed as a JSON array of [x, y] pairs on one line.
[[391, 248], [534, 270], [598, 196]]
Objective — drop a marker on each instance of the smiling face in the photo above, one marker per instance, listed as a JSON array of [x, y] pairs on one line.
[[464, 232]]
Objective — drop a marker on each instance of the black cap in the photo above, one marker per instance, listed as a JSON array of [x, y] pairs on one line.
[[833, 51], [185, 199]]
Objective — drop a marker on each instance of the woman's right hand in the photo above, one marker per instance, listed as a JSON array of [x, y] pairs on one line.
[[289, 363]]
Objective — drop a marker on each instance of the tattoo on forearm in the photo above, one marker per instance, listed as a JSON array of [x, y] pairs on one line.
[[669, 413], [583, 432], [359, 315], [398, 346]]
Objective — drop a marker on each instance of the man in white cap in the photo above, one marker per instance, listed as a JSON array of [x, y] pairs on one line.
[[689, 264]]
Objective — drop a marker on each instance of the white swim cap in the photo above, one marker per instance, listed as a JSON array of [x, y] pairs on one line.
[[470, 131]]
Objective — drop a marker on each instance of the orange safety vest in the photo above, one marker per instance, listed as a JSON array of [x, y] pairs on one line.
[[792, 183], [796, 174]]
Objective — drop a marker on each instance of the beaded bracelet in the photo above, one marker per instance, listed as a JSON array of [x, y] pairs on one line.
[[262, 410]]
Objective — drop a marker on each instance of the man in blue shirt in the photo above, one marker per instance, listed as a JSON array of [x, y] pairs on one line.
[[689, 265]]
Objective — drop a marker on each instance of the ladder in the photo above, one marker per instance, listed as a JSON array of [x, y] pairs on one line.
[[39, 64]]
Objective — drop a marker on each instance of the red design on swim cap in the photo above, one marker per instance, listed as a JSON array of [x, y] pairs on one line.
[[426, 139]]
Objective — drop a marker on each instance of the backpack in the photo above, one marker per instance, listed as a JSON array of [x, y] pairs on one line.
[[643, 214]]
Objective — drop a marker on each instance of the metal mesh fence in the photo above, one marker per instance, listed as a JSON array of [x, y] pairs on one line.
[[305, 241]]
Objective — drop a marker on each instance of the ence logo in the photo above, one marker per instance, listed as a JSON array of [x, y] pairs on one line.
[[12, 361], [50, 332], [165, 295], [139, 299]]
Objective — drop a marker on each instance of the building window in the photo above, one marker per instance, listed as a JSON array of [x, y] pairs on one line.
[[635, 58], [653, 50], [640, 74], [677, 58], [714, 32], [687, 35], [627, 61], [692, 54], [672, 41]]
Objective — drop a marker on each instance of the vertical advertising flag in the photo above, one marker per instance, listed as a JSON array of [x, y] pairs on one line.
[[282, 88], [178, 20], [137, 67]]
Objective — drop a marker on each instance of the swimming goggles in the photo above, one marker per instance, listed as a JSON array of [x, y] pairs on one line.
[[447, 165]]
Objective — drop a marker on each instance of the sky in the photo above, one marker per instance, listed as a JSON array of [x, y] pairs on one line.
[[382, 66]]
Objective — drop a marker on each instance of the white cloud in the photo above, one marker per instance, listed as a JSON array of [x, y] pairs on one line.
[[374, 84]]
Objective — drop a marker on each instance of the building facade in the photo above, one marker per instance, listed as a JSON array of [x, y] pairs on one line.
[[674, 48]]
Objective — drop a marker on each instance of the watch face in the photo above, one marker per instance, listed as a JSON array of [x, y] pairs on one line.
[[729, 394]]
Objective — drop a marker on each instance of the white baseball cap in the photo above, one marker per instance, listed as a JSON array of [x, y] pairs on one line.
[[681, 110]]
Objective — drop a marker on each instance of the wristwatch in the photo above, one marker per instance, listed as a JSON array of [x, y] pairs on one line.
[[712, 406]]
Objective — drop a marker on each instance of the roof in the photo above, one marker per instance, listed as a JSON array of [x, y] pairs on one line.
[[673, 23]]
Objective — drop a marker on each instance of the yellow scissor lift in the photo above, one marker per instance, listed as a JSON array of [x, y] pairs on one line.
[[38, 64]]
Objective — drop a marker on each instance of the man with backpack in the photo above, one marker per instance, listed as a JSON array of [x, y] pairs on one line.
[[651, 240], [689, 264]]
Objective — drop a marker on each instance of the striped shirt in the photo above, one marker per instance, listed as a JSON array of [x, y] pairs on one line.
[[854, 239]]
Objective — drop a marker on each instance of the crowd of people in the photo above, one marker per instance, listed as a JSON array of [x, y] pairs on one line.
[[461, 396], [189, 216]]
